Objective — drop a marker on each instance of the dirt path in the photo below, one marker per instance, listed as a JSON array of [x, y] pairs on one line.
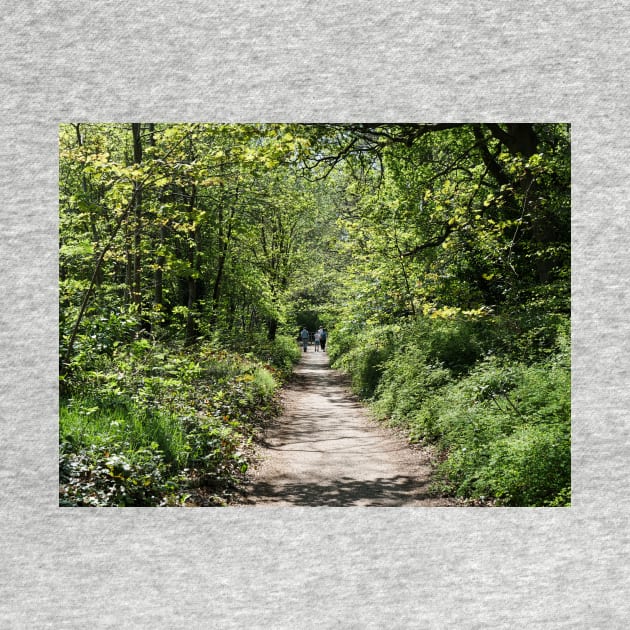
[[325, 450]]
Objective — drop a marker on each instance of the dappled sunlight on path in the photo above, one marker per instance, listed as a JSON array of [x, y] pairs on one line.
[[325, 450]]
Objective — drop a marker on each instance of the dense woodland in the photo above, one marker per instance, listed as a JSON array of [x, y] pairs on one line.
[[437, 256]]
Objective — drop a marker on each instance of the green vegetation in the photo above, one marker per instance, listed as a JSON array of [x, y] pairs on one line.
[[502, 425], [454, 320], [438, 257], [153, 424]]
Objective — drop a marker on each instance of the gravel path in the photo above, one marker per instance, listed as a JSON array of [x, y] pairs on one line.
[[325, 451]]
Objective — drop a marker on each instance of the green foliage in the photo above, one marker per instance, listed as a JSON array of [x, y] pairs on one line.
[[443, 347], [157, 422], [527, 468], [505, 431], [108, 475], [88, 422], [502, 426], [408, 383], [282, 353], [455, 343], [437, 256], [365, 360]]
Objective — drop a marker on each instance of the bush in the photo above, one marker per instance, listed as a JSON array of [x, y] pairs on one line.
[[505, 431], [455, 344], [341, 342], [365, 360], [158, 420], [500, 425], [101, 475], [408, 381], [282, 353], [531, 333], [530, 467]]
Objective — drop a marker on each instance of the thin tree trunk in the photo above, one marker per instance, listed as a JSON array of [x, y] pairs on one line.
[[84, 188], [160, 259], [158, 277], [224, 244], [272, 328], [136, 293], [192, 330]]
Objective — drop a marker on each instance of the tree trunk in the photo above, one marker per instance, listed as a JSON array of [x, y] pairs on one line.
[[192, 329], [272, 328], [160, 259], [158, 276], [224, 244], [136, 292], [84, 189], [192, 332]]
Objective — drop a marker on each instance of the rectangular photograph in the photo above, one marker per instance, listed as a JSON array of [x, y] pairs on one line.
[[286, 314]]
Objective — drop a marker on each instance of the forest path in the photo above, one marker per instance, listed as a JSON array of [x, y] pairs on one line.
[[326, 451]]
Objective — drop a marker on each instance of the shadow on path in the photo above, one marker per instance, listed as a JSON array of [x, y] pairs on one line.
[[325, 450], [344, 492]]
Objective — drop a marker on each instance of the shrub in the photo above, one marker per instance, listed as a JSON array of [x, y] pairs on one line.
[[101, 475], [406, 384], [452, 343], [158, 420], [341, 342], [281, 353], [506, 433], [365, 360], [530, 467]]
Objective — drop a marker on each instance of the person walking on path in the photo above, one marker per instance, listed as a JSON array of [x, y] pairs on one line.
[[317, 341], [304, 336], [322, 338]]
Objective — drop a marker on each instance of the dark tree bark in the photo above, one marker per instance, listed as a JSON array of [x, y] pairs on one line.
[[272, 328], [136, 258], [160, 259], [517, 137], [192, 327], [224, 237]]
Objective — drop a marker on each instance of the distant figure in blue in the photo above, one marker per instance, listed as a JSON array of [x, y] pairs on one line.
[[304, 336], [322, 338]]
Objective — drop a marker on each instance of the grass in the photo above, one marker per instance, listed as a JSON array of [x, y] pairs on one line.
[[84, 424]]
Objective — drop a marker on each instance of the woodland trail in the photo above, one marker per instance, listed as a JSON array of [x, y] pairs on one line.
[[326, 451]]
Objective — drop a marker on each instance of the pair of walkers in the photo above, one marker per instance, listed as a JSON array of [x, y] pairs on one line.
[[319, 339]]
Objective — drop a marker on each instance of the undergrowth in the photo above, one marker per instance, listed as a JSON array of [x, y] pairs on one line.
[[492, 394], [159, 425]]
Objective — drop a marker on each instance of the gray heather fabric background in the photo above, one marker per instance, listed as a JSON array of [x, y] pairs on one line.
[[313, 61]]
